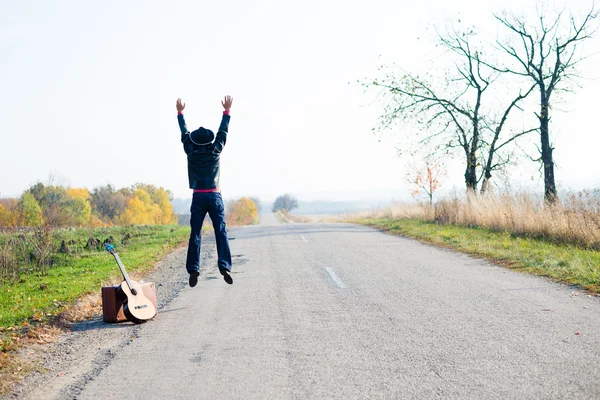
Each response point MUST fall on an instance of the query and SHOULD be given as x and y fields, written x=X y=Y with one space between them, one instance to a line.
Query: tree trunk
x=550 y=194
x=471 y=173
x=487 y=172
x=486 y=183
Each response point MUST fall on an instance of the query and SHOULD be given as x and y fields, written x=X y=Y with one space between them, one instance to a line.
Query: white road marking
x=335 y=278
x=305 y=239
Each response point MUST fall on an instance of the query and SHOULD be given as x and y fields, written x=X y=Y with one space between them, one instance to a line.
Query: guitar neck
x=123 y=271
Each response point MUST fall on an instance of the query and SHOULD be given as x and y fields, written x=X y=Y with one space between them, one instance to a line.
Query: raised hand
x=227 y=101
x=180 y=106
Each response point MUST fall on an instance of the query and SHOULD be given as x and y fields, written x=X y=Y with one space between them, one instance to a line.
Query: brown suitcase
x=113 y=299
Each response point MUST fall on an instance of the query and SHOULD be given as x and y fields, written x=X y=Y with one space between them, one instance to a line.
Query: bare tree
x=495 y=158
x=547 y=53
x=452 y=115
x=447 y=114
x=287 y=202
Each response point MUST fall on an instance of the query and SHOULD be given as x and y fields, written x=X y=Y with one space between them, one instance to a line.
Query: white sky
x=88 y=93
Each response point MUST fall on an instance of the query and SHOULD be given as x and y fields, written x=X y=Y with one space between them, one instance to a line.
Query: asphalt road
x=347 y=312
x=268 y=218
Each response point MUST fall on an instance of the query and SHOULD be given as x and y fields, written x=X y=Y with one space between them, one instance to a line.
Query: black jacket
x=203 y=160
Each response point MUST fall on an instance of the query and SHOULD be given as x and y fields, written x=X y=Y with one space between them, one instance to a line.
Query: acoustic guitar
x=137 y=307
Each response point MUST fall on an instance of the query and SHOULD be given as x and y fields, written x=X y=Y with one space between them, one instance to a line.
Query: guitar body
x=138 y=308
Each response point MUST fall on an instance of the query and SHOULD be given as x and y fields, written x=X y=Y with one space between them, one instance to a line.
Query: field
x=46 y=270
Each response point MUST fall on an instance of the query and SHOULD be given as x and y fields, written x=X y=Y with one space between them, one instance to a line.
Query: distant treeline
x=238 y=211
x=58 y=206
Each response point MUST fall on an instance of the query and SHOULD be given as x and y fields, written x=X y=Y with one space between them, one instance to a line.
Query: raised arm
x=224 y=127
x=185 y=134
x=180 y=107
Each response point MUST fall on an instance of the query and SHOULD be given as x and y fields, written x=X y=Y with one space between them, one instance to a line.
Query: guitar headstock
x=110 y=248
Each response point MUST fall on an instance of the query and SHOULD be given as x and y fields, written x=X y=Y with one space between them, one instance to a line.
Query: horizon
x=100 y=107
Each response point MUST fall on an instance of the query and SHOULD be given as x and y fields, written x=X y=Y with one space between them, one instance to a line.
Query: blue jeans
x=211 y=203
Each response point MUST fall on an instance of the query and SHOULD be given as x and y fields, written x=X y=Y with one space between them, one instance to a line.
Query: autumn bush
x=242 y=211
x=10 y=212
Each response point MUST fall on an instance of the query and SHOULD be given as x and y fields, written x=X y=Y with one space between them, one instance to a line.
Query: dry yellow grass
x=87 y=307
x=397 y=211
x=289 y=217
x=575 y=219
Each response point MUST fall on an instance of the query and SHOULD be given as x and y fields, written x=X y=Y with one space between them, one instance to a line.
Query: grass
x=37 y=297
x=30 y=306
x=565 y=263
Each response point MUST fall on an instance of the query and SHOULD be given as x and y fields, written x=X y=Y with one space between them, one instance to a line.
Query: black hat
x=202 y=136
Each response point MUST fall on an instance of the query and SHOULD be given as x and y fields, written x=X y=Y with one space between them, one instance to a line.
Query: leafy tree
x=10 y=214
x=148 y=188
x=136 y=213
x=140 y=204
x=286 y=202
x=78 y=211
x=143 y=196
x=77 y=206
x=82 y=193
x=157 y=214
x=107 y=203
x=51 y=199
x=62 y=207
x=141 y=208
x=5 y=219
x=163 y=198
x=165 y=213
x=32 y=212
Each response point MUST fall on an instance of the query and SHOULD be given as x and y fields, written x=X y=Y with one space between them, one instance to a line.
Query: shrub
x=286 y=202
x=242 y=211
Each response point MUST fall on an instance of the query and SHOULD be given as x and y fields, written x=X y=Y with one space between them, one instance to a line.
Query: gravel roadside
x=79 y=355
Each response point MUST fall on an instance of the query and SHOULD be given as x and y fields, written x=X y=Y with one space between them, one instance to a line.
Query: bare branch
x=516 y=136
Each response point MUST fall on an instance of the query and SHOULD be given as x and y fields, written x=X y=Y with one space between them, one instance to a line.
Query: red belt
x=205 y=190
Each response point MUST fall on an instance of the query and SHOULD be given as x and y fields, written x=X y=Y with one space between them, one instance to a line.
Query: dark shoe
x=226 y=276
x=194 y=278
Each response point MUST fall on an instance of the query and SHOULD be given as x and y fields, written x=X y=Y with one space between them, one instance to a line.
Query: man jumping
x=203 y=154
